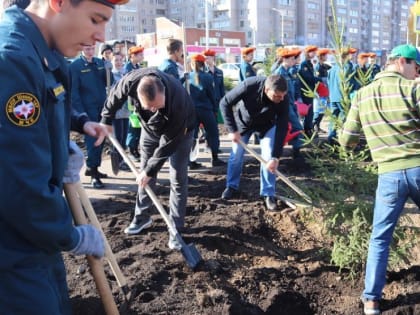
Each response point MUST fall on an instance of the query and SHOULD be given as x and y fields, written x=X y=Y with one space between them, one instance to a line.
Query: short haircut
x=23 y=4
x=149 y=86
x=276 y=83
x=173 y=45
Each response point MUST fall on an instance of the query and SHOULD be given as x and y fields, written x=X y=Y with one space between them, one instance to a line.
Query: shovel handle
x=87 y=205
x=149 y=191
x=96 y=266
x=278 y=173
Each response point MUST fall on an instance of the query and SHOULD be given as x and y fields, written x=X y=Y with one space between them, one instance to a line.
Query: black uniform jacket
x=255 y=112
x=167 y=125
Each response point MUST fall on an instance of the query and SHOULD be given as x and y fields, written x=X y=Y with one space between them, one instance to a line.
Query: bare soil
x=254 y=261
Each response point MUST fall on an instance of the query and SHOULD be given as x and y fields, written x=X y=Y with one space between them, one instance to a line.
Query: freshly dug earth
x=254 y=261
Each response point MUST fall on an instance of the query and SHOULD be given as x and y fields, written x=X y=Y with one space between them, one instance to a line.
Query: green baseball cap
x=406 y=51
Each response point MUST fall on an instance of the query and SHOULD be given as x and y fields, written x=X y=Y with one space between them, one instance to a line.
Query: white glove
x=90 y=242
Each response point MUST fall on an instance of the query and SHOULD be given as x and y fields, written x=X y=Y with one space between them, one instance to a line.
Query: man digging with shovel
x=168 y=120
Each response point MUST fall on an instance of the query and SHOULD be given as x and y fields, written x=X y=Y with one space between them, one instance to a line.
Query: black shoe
x=94 y=173
x=217 y=162
x=195 y=165
x=97 y=183
x=229 y=193
x=270 y=203
x=135 y=155
x=124 y=167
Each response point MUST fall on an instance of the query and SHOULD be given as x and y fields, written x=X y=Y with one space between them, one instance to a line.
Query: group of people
x=43 y=99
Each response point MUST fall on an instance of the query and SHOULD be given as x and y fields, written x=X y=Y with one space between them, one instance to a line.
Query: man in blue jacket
x=260 y=105
x=88 y=94
x=35 y=119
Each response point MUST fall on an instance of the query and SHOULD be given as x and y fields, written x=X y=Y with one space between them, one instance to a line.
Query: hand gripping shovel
x=278 y=173
x=190 y=253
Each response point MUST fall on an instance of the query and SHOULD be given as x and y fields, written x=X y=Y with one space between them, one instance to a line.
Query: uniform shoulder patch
x=23 y=109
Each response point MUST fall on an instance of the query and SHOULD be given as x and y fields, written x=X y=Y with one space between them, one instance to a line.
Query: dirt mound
x=255 y=261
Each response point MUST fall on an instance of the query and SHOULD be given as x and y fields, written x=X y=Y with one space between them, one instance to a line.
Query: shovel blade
x=191 y=255
x=190 y=252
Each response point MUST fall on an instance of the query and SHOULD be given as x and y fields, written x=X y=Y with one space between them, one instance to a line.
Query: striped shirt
x=388 y=113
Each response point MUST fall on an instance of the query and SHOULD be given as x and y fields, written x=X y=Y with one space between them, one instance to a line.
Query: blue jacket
x=35 y=221
x=219 y=85
x=169 y=66
x=88 y=90
x=202 y=93
x=246 y=71
x=307 y=72
x=255 y=112
x=334 y=81
x=129 y=66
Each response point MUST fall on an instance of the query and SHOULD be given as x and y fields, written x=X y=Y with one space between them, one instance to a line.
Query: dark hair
x=22 y=4
x=149 y=86
x=106 y=47
x=173 y=45
x=276 y=83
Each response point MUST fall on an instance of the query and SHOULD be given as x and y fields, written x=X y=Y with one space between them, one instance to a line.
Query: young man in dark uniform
x=88 y=94
x=167 y=117
x=35 y=120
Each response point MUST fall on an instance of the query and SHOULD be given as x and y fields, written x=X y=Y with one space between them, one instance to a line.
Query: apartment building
x=368 y=24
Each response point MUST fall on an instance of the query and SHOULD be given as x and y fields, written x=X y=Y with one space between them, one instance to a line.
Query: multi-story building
x=368 y=24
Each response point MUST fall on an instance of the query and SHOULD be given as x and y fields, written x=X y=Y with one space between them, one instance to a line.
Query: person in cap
x=201 y=87
x=89 y=84
x=175 y=49
x=135 y=58
x=36 y=118
x=307 y=74
x=167 y=117
x=106 y=51
x=258 y=104
x=372 y=64
x=321 y=102
x=387 y=112
x=288 y=60
x=216 y=73
x=245 y=68
x=361 y=69
x=340 y=70
x=218 y=79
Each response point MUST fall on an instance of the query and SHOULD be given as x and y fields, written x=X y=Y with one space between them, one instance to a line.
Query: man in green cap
x=35 y=120
x=387 y=111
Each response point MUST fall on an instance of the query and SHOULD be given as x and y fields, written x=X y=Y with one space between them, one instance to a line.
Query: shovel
x=190 y=253
x=278 y=173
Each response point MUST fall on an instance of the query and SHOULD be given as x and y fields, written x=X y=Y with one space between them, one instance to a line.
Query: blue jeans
x=133 y=138
x=337 y=112
x=391 y=194
x=234 y=168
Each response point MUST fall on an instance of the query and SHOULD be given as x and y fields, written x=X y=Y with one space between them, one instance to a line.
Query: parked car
x=230 y=70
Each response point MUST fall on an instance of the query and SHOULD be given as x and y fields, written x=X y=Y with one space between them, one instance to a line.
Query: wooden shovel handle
x=96 y=266
x=278 y=173
x=87 y=205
